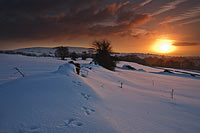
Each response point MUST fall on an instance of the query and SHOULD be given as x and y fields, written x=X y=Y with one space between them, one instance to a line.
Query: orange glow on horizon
x=163 y=46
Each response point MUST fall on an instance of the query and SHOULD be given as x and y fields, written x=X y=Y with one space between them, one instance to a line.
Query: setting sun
x=163 y=46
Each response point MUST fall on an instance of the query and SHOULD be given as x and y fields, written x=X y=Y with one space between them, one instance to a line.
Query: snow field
x=53 y=98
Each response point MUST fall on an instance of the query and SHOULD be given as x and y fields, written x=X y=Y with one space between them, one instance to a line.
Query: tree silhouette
x=103 y=54
x=61 y=52
x=73 y=56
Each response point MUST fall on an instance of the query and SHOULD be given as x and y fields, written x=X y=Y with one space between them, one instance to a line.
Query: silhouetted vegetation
x=73 y=56
x=103 y=54
x=25 y=53
x=45 y=55
x=61 y=52
x=84 y=56
x=20 y=53
x=192 y=63
x=132 y=58
x=77 y=65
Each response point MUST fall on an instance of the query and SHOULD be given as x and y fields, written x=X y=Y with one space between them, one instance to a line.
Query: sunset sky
x=131 y=25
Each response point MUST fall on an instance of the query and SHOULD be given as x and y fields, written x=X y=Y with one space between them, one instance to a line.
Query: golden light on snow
x=163 y=46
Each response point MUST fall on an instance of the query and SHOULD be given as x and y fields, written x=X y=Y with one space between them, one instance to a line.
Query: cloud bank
x=185 y=43
x=66 y=19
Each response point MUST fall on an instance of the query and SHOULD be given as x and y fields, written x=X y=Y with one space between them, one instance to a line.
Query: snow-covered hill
x=47 y=51
x=53 y=98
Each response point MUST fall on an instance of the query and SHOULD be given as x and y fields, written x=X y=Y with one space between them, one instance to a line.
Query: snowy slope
x=53 y=98
x=144 y=103
x=55 y=101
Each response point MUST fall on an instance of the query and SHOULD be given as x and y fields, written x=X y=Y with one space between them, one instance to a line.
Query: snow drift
x=66 y=69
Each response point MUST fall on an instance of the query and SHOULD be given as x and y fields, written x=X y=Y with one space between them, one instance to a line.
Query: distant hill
x=49 y=51
x=45 y=51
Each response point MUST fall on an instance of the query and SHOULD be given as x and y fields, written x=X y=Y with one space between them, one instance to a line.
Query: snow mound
x=141 y=70
x=66 y=69
x=128 y=67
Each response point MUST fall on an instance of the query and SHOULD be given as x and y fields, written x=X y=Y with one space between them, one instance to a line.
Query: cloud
x=134 y=20
x=168 y=7
x=65 y=19
x=141 y=33
x=191 y=21
x=57 y=20
x=195 y=12
x=185 y=43
x=140 y=5
x=140 y=19
x=145 y=3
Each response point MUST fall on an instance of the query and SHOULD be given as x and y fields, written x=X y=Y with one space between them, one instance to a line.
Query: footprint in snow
x=87 y=111
x=86 y=96
x=102 y=86
x=29 y=129
x=72 y=122
x=78 y=83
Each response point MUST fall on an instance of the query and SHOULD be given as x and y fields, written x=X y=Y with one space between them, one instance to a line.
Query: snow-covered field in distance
x=40 y=51
x=53 y=98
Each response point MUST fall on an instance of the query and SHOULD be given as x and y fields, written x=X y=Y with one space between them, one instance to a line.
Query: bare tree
x=103 y=54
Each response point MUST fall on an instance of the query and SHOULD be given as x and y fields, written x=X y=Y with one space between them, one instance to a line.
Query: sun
x=163 y=46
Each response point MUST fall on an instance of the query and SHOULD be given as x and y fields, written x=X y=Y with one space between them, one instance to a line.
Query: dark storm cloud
x=185 y=44
x=58 y=19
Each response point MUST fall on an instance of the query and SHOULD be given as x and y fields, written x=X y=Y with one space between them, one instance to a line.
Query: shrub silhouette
x=61 y=52
x=73 y=56
x=84 y=55
x=103 y=54
x=77 y=65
